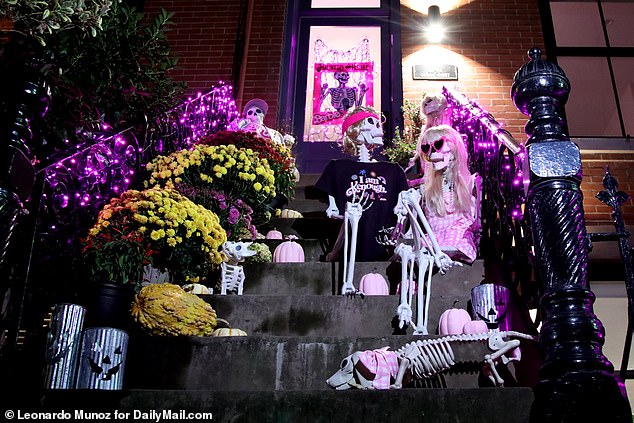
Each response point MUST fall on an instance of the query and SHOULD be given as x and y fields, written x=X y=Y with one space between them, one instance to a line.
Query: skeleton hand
x=333 y=213
x=444 y=263
x=324 y=92
x=386 y=237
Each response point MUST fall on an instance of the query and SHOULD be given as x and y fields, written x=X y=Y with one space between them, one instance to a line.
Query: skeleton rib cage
x=429 y=357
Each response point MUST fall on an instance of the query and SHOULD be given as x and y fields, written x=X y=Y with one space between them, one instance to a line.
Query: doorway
x=335 y=59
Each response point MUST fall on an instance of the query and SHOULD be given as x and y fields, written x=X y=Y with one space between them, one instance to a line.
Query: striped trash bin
x=63 y=344
x=102 y=360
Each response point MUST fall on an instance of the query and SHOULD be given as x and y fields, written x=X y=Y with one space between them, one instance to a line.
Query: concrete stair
x=299 y=331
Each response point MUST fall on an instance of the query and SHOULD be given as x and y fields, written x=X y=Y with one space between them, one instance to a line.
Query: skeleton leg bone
x=425 y=268
x=352 y=216
x=404 y=309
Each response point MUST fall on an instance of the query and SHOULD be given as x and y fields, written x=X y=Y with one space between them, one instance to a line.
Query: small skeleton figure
x=363 y=187
x=342 y=98
x=252 y=120
x=422 y=359
x=232 y=274
x=434 y=109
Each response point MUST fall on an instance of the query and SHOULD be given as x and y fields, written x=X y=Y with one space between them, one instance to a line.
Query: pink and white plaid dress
x=383 y=364
x=454 y=231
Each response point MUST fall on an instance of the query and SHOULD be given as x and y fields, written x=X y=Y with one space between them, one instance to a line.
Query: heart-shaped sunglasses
x=437 y=145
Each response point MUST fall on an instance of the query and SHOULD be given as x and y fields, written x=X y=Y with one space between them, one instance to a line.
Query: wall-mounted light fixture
x=434 y=28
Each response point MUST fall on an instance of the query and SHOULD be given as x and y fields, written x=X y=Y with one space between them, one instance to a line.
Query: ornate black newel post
x=576 y=381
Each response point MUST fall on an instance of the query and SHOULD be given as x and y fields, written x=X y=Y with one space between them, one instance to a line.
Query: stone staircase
x=299 y=331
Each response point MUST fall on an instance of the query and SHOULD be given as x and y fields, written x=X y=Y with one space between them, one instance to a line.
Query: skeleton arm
x=362 y=90
x=323 y=94
x=412 y=200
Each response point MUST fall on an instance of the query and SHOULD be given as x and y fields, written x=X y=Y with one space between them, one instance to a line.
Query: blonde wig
x=351 y=131
x=459 y=175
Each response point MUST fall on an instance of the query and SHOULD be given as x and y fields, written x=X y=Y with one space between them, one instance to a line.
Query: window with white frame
x=593 y=42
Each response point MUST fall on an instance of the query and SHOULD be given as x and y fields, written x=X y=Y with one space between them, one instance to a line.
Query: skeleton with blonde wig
x=450 y=191
x=442 y=215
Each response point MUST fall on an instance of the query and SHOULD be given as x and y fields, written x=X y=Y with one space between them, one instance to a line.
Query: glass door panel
x=343 y=72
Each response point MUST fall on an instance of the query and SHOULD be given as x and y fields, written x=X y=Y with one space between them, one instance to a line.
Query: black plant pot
x=109 y=306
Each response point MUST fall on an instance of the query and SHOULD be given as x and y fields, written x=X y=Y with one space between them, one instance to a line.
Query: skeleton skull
x=237 y=251
x=255 y=110
x=255 y=115
x=347 y=377
x=371 y=133
x=342 y=77
x=439 y=152
x=434 y=104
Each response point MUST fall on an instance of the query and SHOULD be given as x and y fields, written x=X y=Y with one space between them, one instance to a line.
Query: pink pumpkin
x=288 y=252
x=274 y=234
x=452 y=321
x=415 y=286
x=475 y=326
x=373 y=284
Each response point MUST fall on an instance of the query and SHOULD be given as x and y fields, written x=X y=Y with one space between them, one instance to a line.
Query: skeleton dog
x=422 y=359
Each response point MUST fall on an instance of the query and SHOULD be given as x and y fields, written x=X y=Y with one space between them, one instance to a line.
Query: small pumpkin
x=274 y=234
x=228 y=332
x=475 y=326
x=452 y=321
x=373 y=284
x=290 y=214
x=289 y=251
x=198 y=289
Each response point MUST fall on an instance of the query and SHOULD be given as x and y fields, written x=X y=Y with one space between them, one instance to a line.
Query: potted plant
x=155 y=226
x=238 y=173
x=279 y=156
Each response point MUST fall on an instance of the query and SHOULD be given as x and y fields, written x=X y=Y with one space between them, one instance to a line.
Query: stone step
x=319 y=315
x=323 y=278
x=225 y=406
x=267 y=363
x=313 y=225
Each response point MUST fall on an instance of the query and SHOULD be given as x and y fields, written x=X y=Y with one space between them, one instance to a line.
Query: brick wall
x=621 y=165
x=487 y=39
x=204 y=39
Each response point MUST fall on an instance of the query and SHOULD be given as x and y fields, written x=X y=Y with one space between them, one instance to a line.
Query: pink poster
x=340 y=87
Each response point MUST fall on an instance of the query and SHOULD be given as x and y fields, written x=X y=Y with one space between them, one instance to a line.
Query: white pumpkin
x=475 y=326
x=228 y=332
x=274 y=234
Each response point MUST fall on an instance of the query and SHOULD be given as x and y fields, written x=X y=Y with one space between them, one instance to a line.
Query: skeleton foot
x=420 y=330
x=404 y=312
x=351 y=291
